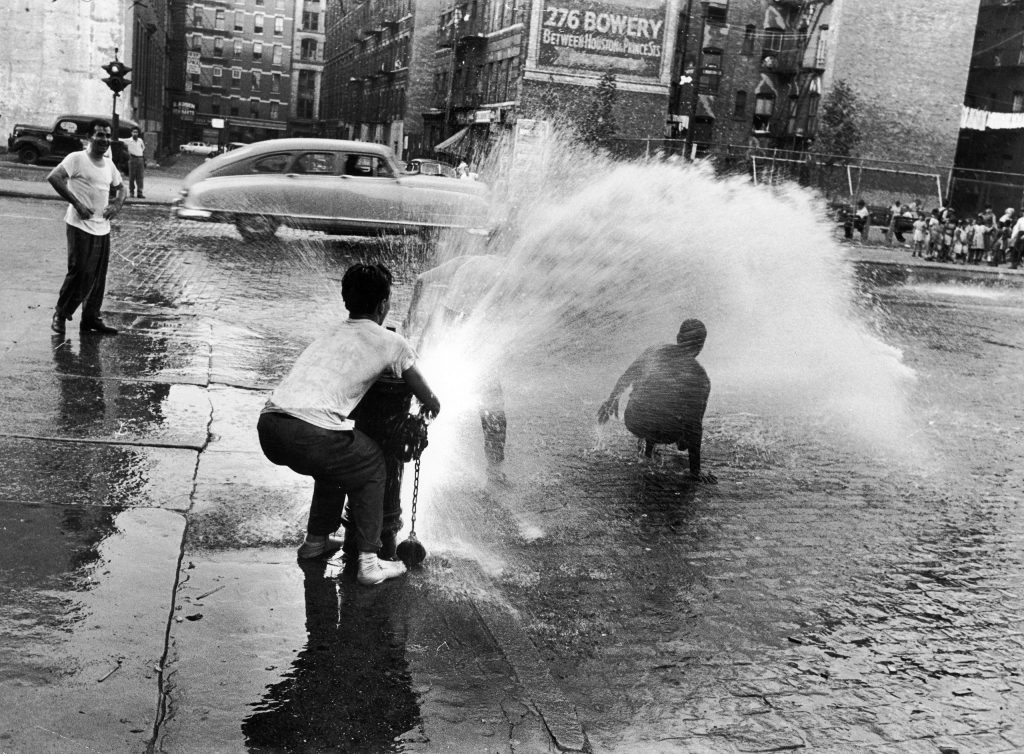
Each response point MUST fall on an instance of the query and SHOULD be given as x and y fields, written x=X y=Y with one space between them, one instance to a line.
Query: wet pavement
x=824 y=596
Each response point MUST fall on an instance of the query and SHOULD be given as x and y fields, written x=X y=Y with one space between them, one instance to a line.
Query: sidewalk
x=29 y=181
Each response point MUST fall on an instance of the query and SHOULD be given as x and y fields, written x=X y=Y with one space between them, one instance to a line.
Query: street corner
x=76 y=571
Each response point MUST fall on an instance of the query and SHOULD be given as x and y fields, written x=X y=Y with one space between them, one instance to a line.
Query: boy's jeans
x=341 y=463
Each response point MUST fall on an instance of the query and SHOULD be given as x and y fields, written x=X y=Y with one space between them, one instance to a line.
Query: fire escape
x=793 y=57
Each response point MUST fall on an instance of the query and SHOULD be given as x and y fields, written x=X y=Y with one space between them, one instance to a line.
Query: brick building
x=307 y=68
x=990 y=158
x=378 y=69
x=231 y=70
x=755 y=73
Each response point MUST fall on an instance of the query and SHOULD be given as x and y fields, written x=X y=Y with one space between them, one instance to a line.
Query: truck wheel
x=28 y=155
x=256 y=228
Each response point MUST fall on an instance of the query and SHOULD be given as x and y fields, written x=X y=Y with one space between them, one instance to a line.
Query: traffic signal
x=116 y=72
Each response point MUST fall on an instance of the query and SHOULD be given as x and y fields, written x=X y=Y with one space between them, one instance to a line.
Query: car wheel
x=28 y=155
x=256 y=228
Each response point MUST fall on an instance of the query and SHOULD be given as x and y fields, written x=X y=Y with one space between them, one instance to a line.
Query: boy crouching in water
x=306 y=426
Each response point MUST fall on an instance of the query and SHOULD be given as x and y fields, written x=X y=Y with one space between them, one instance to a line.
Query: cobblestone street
x=827 y=595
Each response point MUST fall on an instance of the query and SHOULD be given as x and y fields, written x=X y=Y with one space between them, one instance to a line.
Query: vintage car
x=69 y=133
x=199 y=147
x=424 y=166
x=338 y=187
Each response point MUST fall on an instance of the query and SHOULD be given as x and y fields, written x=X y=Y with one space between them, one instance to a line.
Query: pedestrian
x=669 y=397
x=136 y=164
x=977 y=240
x=893 y=230
x=1004 y=227
x=85 y=180
x=862 y=220
x=1017 y=242
x=934 y=235
x=305 y=424
x=920 y=235
x=960 y=242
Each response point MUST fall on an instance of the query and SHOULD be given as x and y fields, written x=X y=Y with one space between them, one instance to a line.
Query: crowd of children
x=945 y=236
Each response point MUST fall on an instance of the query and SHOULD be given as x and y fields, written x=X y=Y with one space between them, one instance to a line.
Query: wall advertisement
x=620 y=38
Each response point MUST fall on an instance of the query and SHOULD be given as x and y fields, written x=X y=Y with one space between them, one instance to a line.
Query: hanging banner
x=603 y=36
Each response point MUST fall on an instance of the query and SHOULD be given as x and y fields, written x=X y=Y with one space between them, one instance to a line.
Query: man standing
x=85 y=179
x=136 y=163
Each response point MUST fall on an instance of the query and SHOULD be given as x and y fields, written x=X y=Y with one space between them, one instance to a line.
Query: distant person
x=977 y=237
x=960 y=242
x=85 y=180
x=862 y=220
x=895 y=211
x=920 y=235
x=669 y=397
x=1016 y=242
x=305 y=424
x=1004 y=228
x=136 y=163
x=934 y=235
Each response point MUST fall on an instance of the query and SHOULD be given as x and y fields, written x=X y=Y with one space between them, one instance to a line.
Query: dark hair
x=692 y=334
x=364 y=286
x=99 y=123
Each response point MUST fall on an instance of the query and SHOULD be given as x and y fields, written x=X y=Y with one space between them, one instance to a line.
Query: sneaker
x=309 y=550
x=57 y=323
x=373 y=570
x=97 y=325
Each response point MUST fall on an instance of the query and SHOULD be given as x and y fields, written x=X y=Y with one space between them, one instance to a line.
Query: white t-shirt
x=335 y=371
x=136 y=147
x=91 y=185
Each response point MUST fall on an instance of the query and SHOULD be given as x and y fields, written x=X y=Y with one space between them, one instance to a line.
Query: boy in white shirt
x=305 y=424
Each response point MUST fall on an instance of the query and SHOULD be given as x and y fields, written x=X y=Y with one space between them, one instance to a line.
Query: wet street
x=828 y=594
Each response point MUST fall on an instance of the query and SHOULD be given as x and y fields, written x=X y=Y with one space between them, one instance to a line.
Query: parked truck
x=69 y=133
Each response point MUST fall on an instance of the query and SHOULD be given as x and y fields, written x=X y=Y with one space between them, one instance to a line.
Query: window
x=278 y=25
x=257 y=50
x=367 y=166
x=259 y=2
x=218 y=21
x=710 y=72
x=239 y=20
x=812 y=114
x=739 y=108
x=256 y=80
x=275 y=83
x=236 y=77
x=749 y=35
x=275 y=163
x=310 y=21
x=254 y=108
x=257 y=23
x=316 y=163
x=273 y=110
x=197 y=17
x=1018 y=102
x=215 y=108
x=717 y=10
x=308 y=50
x=238 y=48
x=197 y=42
x=764 y=107
x=233 y=110
x=218 y=46
x=217 y=71
x=277 y=54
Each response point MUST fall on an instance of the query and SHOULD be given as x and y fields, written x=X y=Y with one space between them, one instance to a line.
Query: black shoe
x=97 y=325
x=142 y=196
x=57 y=323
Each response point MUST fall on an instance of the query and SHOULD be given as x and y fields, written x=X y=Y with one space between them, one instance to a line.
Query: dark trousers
x=86 y=279
x=341 y=463
x=136 y=173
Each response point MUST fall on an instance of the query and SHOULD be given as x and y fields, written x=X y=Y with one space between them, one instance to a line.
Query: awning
x=454 y=144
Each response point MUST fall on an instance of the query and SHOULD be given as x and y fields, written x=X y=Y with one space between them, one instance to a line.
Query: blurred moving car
x=334 y=186
x=424 y=166
x=199 y=147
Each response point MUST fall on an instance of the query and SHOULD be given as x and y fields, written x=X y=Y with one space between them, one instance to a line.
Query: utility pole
x=689 y=147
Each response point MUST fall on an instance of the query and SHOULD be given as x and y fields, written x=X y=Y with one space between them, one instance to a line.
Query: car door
x=367 y=192
x=308 y=187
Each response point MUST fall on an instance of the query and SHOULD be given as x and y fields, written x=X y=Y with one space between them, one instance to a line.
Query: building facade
x=377 y=71
x=231 y=75
x=990 y=153
x=52 y=59
x=307 y=68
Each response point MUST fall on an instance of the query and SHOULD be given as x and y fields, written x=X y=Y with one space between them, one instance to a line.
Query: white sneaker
x=373 y=570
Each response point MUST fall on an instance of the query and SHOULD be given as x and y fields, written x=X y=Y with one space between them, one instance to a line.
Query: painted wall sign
x=603 y=36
